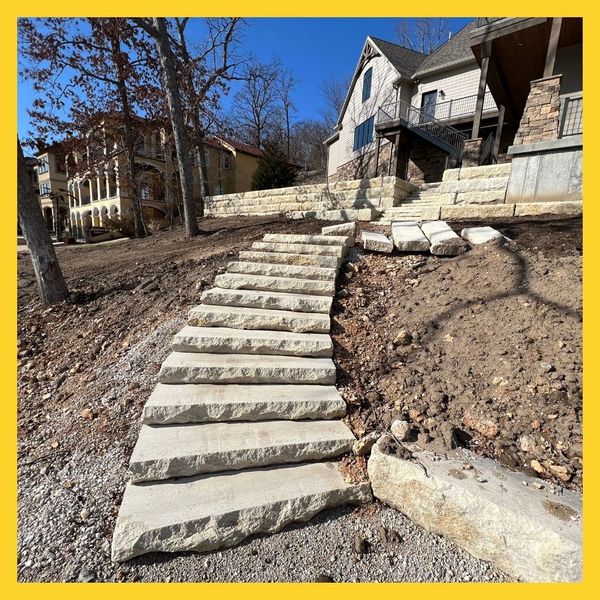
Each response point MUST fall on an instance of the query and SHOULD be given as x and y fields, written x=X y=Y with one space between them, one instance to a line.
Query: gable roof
x=404 y=60
x=456 y=51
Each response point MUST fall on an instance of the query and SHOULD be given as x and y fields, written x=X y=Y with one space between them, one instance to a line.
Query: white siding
x=357 y=111
x=333 y=160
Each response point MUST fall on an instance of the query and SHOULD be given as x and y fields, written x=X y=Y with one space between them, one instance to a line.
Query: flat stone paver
x=378 y=242
x=308 y=260
x=281 y=270
x=320 y=249
x=408 y=237
x=238 y=281
x=341 y=229
x=195 y=448
x=209 y=402
x=328 y=240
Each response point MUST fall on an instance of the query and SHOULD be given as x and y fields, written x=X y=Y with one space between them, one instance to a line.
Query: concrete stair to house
x=411 y=207
x=240 y=433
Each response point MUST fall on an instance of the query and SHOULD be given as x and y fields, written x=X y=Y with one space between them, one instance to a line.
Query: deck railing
x=461 y=107
x=571 y=115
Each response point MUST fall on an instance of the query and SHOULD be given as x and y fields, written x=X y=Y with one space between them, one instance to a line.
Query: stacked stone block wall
x=540 y=120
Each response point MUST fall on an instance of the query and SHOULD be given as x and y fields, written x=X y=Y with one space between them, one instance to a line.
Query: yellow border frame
x=309 y=8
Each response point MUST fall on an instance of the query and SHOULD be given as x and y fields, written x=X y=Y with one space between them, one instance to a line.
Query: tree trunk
x=139 y=226
x=48 y=274
x=184 y=158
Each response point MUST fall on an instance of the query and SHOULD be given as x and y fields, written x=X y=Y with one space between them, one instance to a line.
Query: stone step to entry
x=327 y=240
x=281 y=270
x=211 y=511
x=308 y=260
x=206 y=315
x=237 y=341
x=238 y=281
x=163 y=452
x=268 y=300
x=191 y=367
x=207 y=402
x=319 y=249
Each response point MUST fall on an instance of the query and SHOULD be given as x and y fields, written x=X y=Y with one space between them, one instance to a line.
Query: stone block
x=481 y=235
x=282 y=270
x=347 y=229
x=484 y=171
x=460 y=212
x=481 y=197
x=444 y=241
x=237 y=281
x=451 y=175
x=408 y=237
x=539 y=209
x=530 y=534
x=376 y=241
x=430 y=213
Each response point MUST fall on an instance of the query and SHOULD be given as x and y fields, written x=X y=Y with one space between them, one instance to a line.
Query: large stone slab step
x=320 y=249
x=206 y=315
x=239 y=281
x=268 y=300
x=308 y=260
x=207 y=512
x=408 y=237
x=207 y=402
x=281 y=270
x=225 y=340
x=165 y=451
x=294 y=238
x=444 y=241
x=191 y=367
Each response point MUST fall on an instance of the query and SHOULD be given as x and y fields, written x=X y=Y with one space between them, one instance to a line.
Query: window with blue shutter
x=367 y=78
x=363 y=133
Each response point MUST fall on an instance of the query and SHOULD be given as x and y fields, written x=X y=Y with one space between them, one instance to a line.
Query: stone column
x=98 y=187
x=471 y=152
x=107 y=183
x=541 y=117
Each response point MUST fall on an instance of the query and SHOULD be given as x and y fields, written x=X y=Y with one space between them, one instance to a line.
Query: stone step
x=223 y=340
x=444 y=241
x=239 y=281
x=321 y=249
x=207 y=402
x=379 y=242
x=295 y=238
x=165 y=451
x=191 y=367
x=307 y=260
x=281 y=270
x=408 y=237
x=207 y=315
x=207 y=512
x=268 y=300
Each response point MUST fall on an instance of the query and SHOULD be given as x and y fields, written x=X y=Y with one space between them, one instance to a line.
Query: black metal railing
x=571 y=115
x=486 y=154
x=415 y=118
x=461 y=107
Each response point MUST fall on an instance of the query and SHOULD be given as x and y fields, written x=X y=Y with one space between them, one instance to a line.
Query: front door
x=428 y=101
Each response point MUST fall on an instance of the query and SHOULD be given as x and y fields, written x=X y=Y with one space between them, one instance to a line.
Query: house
x=97 y=185
x=51 y=182
x=469 y=102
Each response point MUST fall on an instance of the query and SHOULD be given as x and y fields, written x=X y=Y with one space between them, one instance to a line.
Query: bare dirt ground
x=482 y=350
x=86 y=369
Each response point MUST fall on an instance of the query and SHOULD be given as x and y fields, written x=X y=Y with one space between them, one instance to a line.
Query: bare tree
x=157 y=28
x=284 y=86
x=333 y=92
x=308 y=148
x=424 y=34
x=48 y=274
x=255 y=105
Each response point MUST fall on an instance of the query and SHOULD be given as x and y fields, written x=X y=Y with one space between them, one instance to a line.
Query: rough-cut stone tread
x=338 y=251
x=192 y=367
x=207 y=402
x=207 y=512
x=228 y=340
x=274 y=270
x=308 y=260
x=295 y=238
x=238 y=281
x=206 y=315
x=268 y=300
x=165 y=451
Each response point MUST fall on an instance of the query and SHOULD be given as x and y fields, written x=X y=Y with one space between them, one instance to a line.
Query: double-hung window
x=367 y=79
x=43 y=165
x=363 y=133
x=45 y=189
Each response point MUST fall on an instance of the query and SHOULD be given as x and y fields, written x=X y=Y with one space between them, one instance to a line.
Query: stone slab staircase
x=241 y=433
x=410 y=208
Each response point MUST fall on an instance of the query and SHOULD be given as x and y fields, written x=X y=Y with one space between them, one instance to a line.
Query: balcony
x=461 y=107
x=571 y=115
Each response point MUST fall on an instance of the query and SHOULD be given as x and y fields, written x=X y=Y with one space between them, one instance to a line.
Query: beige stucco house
x=51 y=180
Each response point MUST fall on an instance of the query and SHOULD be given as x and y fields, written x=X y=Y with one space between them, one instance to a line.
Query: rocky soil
x=85 y=370
x=483 y=350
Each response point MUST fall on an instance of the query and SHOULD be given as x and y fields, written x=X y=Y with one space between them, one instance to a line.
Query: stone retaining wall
x=376 y=194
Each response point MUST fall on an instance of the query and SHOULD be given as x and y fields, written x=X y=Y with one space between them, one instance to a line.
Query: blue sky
x=312 y=48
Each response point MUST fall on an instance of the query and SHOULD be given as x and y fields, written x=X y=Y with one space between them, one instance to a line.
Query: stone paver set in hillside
x=245 y=405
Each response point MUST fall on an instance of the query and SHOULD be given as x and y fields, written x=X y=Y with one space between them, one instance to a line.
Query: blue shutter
x=367 y=79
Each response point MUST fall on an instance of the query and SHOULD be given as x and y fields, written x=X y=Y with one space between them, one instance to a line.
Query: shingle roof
x=456 y=50
x=404 y=60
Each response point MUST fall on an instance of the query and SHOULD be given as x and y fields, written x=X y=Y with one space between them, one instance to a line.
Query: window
x=226 y=161
x=363 y=133
x=43 y=165
x=367 y=78
x=45 y=189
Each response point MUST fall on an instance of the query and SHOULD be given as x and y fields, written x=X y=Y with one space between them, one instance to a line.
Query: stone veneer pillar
x=471 y=152
x=540 y=120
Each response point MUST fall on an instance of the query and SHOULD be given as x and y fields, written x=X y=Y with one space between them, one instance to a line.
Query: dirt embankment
x=482 y=350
